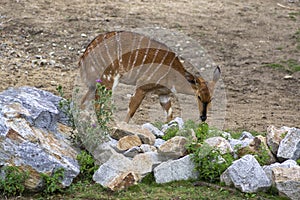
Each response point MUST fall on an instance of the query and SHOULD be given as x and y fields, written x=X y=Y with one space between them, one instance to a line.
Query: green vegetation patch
x=12 y=183
x=290 y=65
x=294 y=15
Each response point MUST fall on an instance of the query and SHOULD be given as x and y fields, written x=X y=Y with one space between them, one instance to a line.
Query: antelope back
x=114 y=53
x=136 y=58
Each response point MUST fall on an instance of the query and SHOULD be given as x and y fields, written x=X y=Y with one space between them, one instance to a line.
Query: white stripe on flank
x=116 y=82
x=108 y=54
x=129 y=65
x=137 y=52
x=153 y=59
x=169 y=69
x=147 y=50
x=104 y=64
x=144 y=58
x=119 y=53
x=158 y=67
x=136 y=55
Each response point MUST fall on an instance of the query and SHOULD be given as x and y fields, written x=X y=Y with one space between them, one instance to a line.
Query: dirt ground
x=41 y=41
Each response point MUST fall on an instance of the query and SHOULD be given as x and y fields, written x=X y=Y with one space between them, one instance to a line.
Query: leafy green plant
x=298 y=161
x=65 y=106
x=13 y=182
x=190 y=124
x=170 y=132
x=53 y=182
x=87 y=165
x=210 y=163
x=282 y=136
x=202 y=132
x=104 y=106
x=149 y=179
x=261 y=154
x=263 y=157
x=158 y=124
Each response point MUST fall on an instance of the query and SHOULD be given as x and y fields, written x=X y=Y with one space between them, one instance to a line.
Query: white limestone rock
x=247 y=175
x=175 y=170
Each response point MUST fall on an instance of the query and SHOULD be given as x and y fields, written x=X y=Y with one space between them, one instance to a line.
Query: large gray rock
x=174 y=170
x=115 y=174
x=287 y=181
x=153 y=129
x=247 y=175
x=177 y=122
x=258 y=146
x=289 y=147
x=123 y=129
x=285 y=164
x=129 y=141
x=32 y=137
x=104 y=151
x=174 y=147
x=219 y=143
x=119 y=172
x=274 y=137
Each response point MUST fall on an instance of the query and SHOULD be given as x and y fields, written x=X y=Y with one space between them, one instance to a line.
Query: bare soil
x=41 y=41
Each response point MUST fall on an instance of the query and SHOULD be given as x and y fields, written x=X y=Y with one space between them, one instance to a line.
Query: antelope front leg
x=165 y=103
x=135 y=102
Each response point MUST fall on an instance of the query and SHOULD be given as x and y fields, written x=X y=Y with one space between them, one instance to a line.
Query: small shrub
x=158 y=124
x=104 y=106
x=13 y=182
x=149 y=179
x=53 y=183
x=87 y=165
x=190 y=124
x=65 y=106
x=210 y=163
x=202 y=132
x=170 y=132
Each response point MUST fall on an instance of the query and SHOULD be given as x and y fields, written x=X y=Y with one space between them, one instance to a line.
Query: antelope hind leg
x=165 y=103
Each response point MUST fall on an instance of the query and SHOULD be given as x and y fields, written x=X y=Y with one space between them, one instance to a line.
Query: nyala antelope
x=148 y=65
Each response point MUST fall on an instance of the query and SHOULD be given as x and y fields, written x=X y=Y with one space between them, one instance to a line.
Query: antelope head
x=203 y=91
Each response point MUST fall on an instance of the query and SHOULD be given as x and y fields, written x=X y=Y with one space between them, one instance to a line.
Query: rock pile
x=168 y=160
x=33 y=136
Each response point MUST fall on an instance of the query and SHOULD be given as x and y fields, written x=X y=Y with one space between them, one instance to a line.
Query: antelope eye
x=199 y=98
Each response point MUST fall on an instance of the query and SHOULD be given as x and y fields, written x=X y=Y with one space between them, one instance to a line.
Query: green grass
x=173 y=190
x=290 y=65
x=294 y=15
x=297 y=36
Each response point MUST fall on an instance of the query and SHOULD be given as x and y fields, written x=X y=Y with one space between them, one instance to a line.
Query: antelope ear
x=217 y=74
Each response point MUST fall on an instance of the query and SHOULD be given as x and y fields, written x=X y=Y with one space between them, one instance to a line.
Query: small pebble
x=287 y=77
